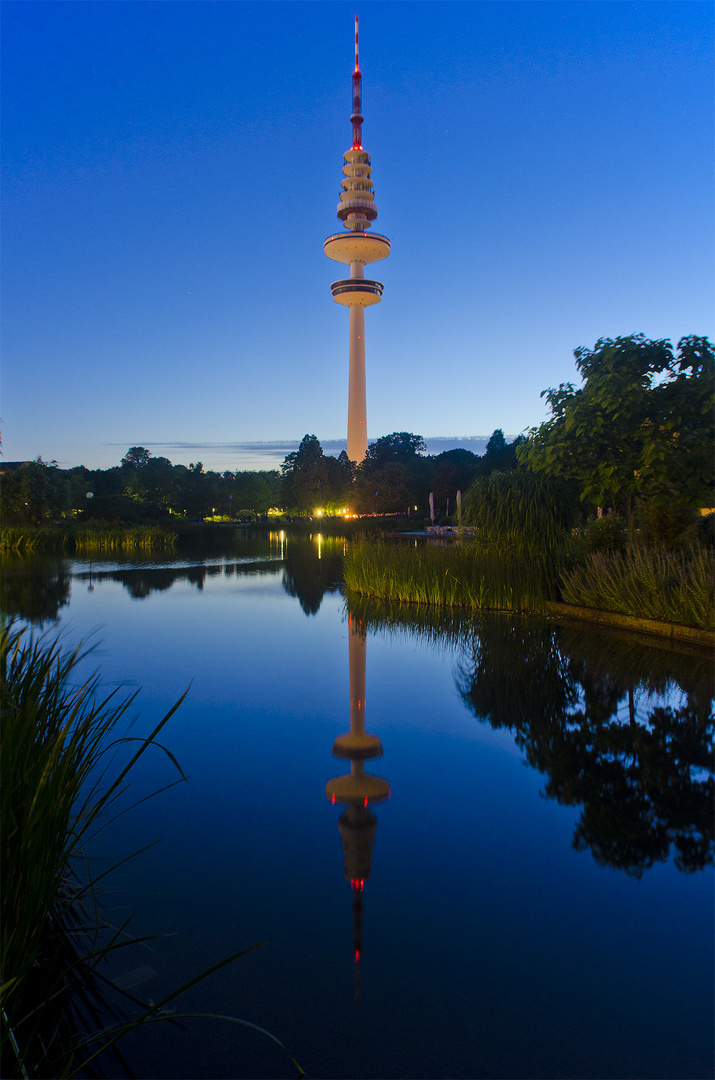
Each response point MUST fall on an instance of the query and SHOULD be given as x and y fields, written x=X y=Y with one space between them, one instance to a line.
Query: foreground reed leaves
x=65 y=765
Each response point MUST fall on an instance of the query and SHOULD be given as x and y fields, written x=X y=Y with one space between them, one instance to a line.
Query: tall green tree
x=394 y=474
x=304 y=476
x=340 y=472
x=136 y=457
x=401 y=447
x=33 y=492
x=499 y=455
x=641 y=424
x=452 y=471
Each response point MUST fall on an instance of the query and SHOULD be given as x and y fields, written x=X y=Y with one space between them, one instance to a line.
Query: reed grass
x=647 y=583
x=459 y=575
x=65 y=765
x=94 y=537
x=57 y=744
x=24 y=539
x=107 y=538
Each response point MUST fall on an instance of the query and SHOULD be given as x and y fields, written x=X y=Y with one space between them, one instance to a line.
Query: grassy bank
x=96 y=537
x=671 y=588
x=454 y=574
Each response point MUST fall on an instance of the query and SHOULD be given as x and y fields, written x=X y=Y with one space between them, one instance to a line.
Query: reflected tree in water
x=37 y=596
x=641 y=773
x=515 y=673
x=307 y=576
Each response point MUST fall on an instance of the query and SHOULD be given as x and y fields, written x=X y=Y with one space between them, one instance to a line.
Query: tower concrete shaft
x=357 y=387
x=357 y=211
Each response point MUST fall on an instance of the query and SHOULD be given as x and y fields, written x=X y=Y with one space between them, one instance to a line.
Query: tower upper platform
x=356 y=247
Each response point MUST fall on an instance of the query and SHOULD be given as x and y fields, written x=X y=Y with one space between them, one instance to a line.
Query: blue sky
x=171 y=169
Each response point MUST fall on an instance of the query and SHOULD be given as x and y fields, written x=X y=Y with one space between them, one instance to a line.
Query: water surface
x=533 y=899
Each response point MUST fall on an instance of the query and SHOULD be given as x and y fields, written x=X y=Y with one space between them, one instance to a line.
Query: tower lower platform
x=360 y=291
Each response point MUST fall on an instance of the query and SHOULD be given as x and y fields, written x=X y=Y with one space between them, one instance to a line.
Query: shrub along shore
x=531 y=549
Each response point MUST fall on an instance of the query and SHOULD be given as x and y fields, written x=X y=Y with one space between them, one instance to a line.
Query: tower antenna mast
x=357 y=117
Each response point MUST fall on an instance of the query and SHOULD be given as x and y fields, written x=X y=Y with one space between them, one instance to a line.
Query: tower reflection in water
x=357 y=790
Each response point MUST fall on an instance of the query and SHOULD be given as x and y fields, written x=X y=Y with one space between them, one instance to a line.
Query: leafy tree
x=396 y=468
x=340 y=473
x=33 y=492
x=136 y=457
x=499 y=455
x=253 y=490
x=110 y=501
x=677 y=460
x=193 y=493
x=149 y=480
x=452 y=471
x=304 y=475
x=401 y=448
x=385 y=489
x=640 y=425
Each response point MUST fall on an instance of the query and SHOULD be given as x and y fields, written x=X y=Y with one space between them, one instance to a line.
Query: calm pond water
x=532 y=882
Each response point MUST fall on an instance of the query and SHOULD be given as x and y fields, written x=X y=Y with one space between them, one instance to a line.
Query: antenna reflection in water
x=357 y=790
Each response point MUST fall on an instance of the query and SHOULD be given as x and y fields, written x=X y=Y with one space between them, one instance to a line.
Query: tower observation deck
x=357 y=248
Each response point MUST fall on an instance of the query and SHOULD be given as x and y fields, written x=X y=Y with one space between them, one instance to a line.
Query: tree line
x=396 y=476
x=141 y=488
x=635 y=438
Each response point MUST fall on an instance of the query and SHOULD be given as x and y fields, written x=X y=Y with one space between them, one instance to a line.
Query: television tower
x=357 y=211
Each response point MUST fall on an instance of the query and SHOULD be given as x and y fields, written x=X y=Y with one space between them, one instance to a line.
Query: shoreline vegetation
x=63 y=538
x=503 y=568
x=659 y=592
x=99 y=536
